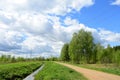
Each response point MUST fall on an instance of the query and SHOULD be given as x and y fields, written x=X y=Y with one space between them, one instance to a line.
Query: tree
x=74 y=51
x=12 y=59
x=94 y=56
x=99 y=50
x=87 y=45
x=81 y=47
x=64 y=53
x=106 y=56
x=116 y=57
x=110 y=53
x=116 y=48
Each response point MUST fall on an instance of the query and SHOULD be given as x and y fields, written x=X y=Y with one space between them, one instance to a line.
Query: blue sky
x=30 y=26
x=100 y=15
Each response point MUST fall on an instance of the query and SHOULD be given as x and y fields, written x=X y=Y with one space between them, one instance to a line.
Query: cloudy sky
x=41 y=27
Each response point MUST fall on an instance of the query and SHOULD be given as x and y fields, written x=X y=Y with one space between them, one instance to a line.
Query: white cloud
x=116 y=2
x=9 y=40
x=110 y=36
x=27 y=26
x=57 y=7
x=44 y=35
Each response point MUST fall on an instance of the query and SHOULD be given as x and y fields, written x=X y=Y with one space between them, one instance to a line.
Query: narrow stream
x=31 y=76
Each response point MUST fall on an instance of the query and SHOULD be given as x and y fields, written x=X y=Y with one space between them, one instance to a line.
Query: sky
x=33 y=28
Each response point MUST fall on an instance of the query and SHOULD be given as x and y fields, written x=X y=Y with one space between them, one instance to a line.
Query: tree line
x=13 y=59
x=83 y=49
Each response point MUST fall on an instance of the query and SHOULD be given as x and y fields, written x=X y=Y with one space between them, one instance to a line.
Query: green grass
x=109 y=68
x=54 y=71
x=17 y=71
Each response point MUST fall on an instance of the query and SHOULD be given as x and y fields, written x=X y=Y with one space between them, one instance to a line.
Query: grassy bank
x=17 y=71
x=109 y=68
x=54 y=71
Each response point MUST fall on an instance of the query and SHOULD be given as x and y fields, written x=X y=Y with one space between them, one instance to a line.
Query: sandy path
x=92 y=74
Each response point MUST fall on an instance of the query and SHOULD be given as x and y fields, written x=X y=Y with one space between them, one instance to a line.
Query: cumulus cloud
x=110 y=36
x=57 y=7
x=10 y=40
x=32 y=27
x=31 y=35
x=116 y=2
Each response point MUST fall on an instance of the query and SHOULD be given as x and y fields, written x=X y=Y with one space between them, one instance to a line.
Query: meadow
x=54 y=71
x=17 y=71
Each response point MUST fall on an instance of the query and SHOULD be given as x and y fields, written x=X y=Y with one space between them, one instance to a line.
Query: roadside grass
x=105 y=68
x=17 y=71
x=108 y=68
x=54 y=71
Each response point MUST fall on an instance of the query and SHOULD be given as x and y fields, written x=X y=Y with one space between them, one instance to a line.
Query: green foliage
x=81 y=47
x=107 y=55
x=116 y=58
x=99 y=52
x=110 y=68
x=74 y=51
x=116 y=48
x=12 y=59
x=54 y=71
x=64 y=53
x=7 y=58
x=17 y=71
x=52 y=59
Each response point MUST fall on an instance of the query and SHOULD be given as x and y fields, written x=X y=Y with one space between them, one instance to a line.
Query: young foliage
x=64 y=53
x=81 y=47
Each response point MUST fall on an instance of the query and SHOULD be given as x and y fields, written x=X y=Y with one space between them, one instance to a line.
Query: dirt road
x=92 y=74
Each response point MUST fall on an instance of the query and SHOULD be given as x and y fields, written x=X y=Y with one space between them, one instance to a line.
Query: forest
x=83 y=49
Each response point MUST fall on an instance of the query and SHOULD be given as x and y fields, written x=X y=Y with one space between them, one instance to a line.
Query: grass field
x=109 y=68
x=17 y=71
x=54 y=71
